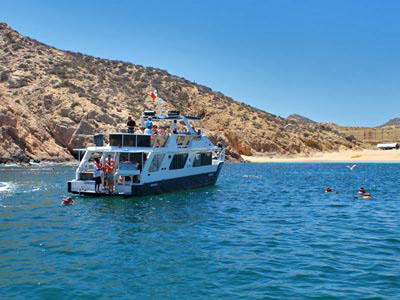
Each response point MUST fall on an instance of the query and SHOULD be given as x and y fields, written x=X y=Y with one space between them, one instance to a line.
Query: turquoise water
x=265 y=231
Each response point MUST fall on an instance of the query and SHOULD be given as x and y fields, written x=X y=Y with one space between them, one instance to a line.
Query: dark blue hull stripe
x=177 y=184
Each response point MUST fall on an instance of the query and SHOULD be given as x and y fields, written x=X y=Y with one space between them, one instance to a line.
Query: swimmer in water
x=328 y=190
x=67 y=201
x=361 y=190
x=367 y=196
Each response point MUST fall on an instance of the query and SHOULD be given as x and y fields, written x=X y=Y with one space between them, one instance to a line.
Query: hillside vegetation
x=52 y=101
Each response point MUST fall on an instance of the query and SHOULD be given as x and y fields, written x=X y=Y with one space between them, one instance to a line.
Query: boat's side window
x=178 y=161
x=202 y=159
x=144 y=141
x=89 y=164
x=116 y=140
x=156 y=162
x=130 y=140
x=124 y=163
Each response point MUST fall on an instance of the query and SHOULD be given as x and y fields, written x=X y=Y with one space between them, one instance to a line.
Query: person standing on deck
x=148 y=127
x=174 y=127
x=96 y=175
x=109 y=173
x=149 y=123
x=131 y=125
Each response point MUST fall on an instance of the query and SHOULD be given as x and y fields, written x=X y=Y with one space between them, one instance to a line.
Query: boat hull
x=177 y=184
x=162 y=186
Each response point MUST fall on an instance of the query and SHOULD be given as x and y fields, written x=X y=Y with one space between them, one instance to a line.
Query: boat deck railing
x=151 y=141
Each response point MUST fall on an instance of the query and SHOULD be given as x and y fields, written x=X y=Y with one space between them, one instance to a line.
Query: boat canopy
x=171 y=118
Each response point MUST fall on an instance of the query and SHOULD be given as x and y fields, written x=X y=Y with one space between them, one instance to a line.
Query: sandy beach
x=340 y=156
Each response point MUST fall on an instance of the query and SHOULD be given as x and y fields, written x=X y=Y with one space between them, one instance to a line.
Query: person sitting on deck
x=154 y=129
x=131 y=125
x=148 y=131
x=109 y=173
x=96 y=175
x=161 y=130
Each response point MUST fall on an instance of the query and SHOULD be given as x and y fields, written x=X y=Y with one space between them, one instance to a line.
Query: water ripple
x=264 y=232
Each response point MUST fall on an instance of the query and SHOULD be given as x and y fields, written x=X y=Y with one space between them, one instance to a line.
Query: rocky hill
x=52 y=101
x=301 y=119
x=392 y=122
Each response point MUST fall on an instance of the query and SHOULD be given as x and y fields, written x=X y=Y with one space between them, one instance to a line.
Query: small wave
x=6 y=186
x=10 y=165
x=36 y=166
x=251 y=176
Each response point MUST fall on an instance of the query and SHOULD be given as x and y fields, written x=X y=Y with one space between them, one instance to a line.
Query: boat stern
x=81 y=187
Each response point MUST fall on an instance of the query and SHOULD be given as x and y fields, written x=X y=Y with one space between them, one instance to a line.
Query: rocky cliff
x=52 y=101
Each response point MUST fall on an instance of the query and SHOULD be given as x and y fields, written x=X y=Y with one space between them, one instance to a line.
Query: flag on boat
x=154 y=94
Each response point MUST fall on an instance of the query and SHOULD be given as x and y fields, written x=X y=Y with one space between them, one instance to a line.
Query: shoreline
x=44 y=163
x=345 y=156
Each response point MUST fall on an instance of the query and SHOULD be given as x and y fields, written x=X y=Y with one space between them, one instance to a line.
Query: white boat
x=152 y=164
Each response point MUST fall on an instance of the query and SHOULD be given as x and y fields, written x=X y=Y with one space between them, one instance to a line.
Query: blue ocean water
x=265 y=231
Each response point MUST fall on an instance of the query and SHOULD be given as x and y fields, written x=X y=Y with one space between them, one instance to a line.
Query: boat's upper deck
x=128 y=142
x=173 y=132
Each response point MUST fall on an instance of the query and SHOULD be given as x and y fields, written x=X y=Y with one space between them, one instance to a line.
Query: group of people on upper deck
x=152 y=129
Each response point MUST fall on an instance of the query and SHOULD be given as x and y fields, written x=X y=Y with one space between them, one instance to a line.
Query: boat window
x=88 y=165
x=183 y=140
x=123 y=157
x=202 y=159
x=124 y=162
x=180 y=139
x=196 y=137
x=116 y=140
x=134 y=161
x=160 y=140
x=94 y=155
x=130 y=140
x=178 y=161
x=156 y=162
x=144 y=140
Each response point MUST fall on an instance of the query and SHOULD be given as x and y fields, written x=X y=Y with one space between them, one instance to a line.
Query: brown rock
x=64 y=97
x=84 y=128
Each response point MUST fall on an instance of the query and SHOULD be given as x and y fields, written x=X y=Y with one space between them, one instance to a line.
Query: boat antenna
x=159 y=101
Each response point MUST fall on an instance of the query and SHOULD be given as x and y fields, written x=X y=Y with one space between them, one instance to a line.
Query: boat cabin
x=142 y=159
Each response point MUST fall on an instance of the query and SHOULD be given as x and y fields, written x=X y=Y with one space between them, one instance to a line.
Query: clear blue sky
x=336 y=61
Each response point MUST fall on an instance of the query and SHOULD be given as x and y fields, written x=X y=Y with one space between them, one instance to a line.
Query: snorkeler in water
x=67 y=201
